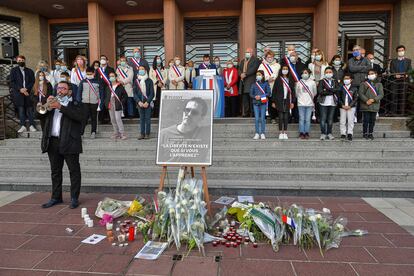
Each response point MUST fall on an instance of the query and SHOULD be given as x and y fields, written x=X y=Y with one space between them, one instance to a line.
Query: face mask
x=356 y=53
x=141 y=72
x=137 y=55
x=372 y=77
x=270 y=60
x=329 y=75
x=43 y=69
x=123 y=63
x=292 y=59
x=337 y=62
x=217 y=63
x=96 y=67
x=230 y=66
x=177 y=62
x=312 y=57
x=112 y=79
x=103 y=61
x=158 y=61
x=347 y=82
x=63 y=67
x=89 y=77
x=248 y=55
x=290 y=52
x=57 y=66
x=285 y=72
x=318 y=58
x=401 y=53
x=64 y=100
x=22 y=64
x=41 y=78
x=305 y=76
x=259 y=78
x=62 y=79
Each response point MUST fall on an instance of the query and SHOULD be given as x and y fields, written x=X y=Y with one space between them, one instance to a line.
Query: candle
x=131 y=235
x=227 y=244
x=111 y=239
x=223 y=242
x=235 y=245
x=255 y=245
x=84 y=211
x=214 y=243
x=90 y=223
x=109 y=226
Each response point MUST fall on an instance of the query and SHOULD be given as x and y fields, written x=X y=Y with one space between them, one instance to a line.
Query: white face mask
x=372 y=77
x=171 y=64
x=259 y=78
x=305 y=76
x=229 y=65
x=270 y=59
x=248 y=55
x=103 y=61
x=292 y=59
x=177 y=62
x=62 y=79
x=401 y=53
x=285 y=72
x=217 y=63
x=89 y=77
x=337 y=62
x=41 y=78
x=329 y=75
x=318 y=58
x=372 y=61
x=290 y=52
x=347 y=82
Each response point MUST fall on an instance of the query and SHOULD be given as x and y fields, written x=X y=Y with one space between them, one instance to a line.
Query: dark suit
x=142 y=62
x=399 y=87
x=145 y=113
x=247 y=82
x=66 y=147
x=104 y=114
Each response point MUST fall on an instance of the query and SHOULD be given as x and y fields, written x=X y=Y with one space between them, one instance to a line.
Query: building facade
x=192 y=28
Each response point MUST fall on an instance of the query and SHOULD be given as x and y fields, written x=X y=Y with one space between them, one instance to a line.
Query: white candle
x=84 y=211
x=90 y=223
x=109 y=226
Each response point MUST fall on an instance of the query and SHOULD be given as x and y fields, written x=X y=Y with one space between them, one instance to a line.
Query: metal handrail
x=10 y=123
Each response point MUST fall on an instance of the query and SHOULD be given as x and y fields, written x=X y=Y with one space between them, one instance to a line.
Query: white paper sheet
x=94 y=239
x=242 y=199
x=151 y=250
x=225 y=200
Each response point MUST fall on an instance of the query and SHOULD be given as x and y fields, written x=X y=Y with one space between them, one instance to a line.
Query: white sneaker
x=323 y=137
x=93 y=135
x=285 y=136
x=32 y=129
x=330 y=136
x=256 y=136
x=262 y=136
x=281 y=136
x=22 y=129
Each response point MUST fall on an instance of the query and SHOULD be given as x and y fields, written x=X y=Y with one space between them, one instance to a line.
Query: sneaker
x=22 y=129
x=285 y=136
x=32 y=129
x=281 y=136
x=256 y=136
x=123 y=137
x=141 y=137
x=307 y=136
x=323 y=137
x=301 y=135
x=365 y=136
x=343 y=137
x=370 y=137
x=146 y=137
x=262 y=136
x=330 y=136
x=115 y=136
x=349 y=137
x=93 y=135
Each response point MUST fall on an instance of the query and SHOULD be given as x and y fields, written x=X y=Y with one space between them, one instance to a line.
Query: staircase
x=383 y=167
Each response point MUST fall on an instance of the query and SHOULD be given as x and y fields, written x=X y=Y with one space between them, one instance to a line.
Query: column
x=325 y=33
x=401 y=29
x=101 y=33
x=173 y=31
x=247 y=26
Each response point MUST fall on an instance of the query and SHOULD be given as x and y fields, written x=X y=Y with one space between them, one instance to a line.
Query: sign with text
x=208 y=72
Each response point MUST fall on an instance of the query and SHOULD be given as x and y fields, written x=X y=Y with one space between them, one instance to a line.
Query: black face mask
x=22 y=64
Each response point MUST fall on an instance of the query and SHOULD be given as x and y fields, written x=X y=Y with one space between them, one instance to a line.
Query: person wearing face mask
x=219 y=69
x=295 y=65
x=399 y=69
x=206 y=64
x=337 y=68
x=271 y=69
x=56 y=72
x=328 y=100
x=290 y=49
x=115 y=97
x=41 y=90
x=312 y=57
x=78 y=72
x=283 y=94
x=260 y=93
x=247 y=72
x=358 y=66
x=43 y=66
x=62 y=141
x=190 y=74
x=347 y=100
x=370 y=94
x=374 y=65
x=137 y=60
x=176 y=74
x=125 y=77
x=231 y=91
x=104 y=69
x=167 y=70
x=305 y=91
x=22 y=80
x=158 y=75
x=90 y=93
x=144 y=96
x=96 y=64
x=318 y=66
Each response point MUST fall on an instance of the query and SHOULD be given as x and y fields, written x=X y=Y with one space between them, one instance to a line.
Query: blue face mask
x=141 y=72
x=137 y=55
x=43 y=69
x=57 y=67
x=63 y=68
x=356 y=53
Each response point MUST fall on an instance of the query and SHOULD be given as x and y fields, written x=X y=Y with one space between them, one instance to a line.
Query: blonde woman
x=79 y=70
x=318 y=66
x=176 y=74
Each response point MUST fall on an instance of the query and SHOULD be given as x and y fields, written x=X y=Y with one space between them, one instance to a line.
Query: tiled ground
x=33 y=242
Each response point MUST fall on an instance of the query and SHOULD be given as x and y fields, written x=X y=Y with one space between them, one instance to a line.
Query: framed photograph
x=185 y=134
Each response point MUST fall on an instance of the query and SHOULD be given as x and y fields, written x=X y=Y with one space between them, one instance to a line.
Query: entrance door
x=365 y=42
x=71 y=53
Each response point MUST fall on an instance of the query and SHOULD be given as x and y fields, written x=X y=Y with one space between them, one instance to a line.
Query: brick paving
x=33 y=241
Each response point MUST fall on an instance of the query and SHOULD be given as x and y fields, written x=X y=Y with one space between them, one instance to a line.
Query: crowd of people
x=286 y=88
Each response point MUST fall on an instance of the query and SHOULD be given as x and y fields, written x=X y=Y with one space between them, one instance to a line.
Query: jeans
x=305 y=113
x=145 y=120
x=260 y=118
x=327 y=115
x=368 y=123
x=131 y=109
x=283 y=120
x=26 y=112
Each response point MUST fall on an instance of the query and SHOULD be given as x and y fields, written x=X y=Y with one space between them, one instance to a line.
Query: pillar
x=325 y=33
x=101 y=26
x=247 y=26
x=173 y=31
x=401 y=29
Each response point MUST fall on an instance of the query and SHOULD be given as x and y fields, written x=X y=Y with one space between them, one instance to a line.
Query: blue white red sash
x=348 y=93
x=105 y=78
x=95 y=92
x=330 y=87
x=177 y=71
x=122 y=73
x=204 y=65
x=263 y=97
x=136 y=62
x=159 y=75
x=40 y=94
x=79 y=74
x=286 y=84
x=268 y=68
x=306 y=88
x=292 y=70
x=370 y=86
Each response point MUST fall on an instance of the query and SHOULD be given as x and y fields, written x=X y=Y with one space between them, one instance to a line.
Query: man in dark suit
x=247 y=71
x=136 y=61
x=206 y=64
x=62 y=141
x=106 y=70
x=378 y=69
x=21 y=83
x=399 y=69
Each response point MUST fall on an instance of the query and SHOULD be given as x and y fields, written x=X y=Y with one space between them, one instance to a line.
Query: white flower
x=195 y=191
x=326 y=210
x=340 y=227
x=171 y=210
x=140 y=224
x=299 y=215
x=162 y=194
x=184 y=202
x=312 y=218
x=261 y=205
x=295 y=206
x=186 y=187
x=318 y=216
x=178 y=206
x=194 y=207
x=203 y=203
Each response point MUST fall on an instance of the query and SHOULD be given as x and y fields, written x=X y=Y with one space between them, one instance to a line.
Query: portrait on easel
x=185 y=128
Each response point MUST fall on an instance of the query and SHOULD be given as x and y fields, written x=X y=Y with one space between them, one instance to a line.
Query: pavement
x=33 y=241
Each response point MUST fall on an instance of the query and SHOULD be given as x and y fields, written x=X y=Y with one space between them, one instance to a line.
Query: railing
x=2 y=120
x=8 y=120
x=396 y=101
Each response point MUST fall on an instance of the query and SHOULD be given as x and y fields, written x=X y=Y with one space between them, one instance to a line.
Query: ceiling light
x=58 y=6
x=208 y=1
x=131 y=3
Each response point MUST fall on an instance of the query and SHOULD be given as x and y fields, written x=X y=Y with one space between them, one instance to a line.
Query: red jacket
x=232 y=81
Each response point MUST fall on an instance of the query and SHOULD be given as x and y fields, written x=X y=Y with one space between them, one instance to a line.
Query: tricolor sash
x=307 y=89
x=96 y=93
x=204 y=65
x=372 y=88
x=348 y=93
x=79 y=74
x=263 y=97
x=292 y=70
x=268 y=68
x=159 y=75
x=40 y=94
x=286 y=84
x=122 y=73
x=105 y=78
x=177 y=71
x=145 y=96
x=330 y=87
x=136 y=62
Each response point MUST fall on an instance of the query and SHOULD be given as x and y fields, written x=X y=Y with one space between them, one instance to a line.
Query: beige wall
x=33 y=33
x=325 y=33
x=402 y=27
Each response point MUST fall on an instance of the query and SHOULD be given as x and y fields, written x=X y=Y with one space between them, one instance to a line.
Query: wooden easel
x=203 y=176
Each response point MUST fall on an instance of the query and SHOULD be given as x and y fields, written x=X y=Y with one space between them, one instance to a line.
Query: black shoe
x=147 y=137
x=365 y=136
x=343 y=137
x=141 y=137
x=51 y=203
x=349 y=137
x=74 y=203
x=370 y=137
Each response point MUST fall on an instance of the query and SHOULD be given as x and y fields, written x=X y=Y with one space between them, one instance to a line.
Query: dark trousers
x=145 y=120
x=231 y=107
x=56 y=165
x=246 y=105
x=327 y=113
x=26 y=112
x=157 y=103
x=130 y=107
x=90 y=110
x=399 y=92
x=368 y=123
x=283 y=120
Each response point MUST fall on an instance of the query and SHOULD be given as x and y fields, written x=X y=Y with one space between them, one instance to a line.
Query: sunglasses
x=193 y=111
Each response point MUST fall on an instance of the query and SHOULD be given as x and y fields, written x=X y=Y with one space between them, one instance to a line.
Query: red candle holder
x=131 y=236
x=255 y=245
x=227 y=244
x=223 y=242
x=215 y=243
x=235 y=245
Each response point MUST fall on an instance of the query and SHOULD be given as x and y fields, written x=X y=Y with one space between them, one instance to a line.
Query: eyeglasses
x=193 y=111
x=60 y=88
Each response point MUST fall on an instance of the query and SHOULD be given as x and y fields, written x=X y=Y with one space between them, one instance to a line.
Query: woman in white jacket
x=159 y=76
x=125 y=75
x=318 y=66
x=305 y=93
x=176 y=74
